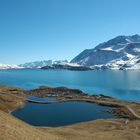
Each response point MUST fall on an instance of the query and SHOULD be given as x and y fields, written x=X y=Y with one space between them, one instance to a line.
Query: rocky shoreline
x=63 y=94
x=13 y=98
x=67 y=67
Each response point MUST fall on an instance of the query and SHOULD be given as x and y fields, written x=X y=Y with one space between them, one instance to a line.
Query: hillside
x=12 y=128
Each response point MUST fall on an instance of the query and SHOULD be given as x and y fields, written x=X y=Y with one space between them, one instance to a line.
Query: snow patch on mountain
x=107 y=49
x=136 y=49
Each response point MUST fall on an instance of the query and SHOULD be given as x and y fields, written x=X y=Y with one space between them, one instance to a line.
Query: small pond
x=59 y=114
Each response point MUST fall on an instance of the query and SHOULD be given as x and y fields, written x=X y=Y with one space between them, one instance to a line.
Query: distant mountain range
x=122 y=52
x=40 y=64
x=6 y=66
x=36 y=64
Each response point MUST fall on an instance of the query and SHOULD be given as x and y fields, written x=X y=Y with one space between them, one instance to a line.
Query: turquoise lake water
x=120 y=84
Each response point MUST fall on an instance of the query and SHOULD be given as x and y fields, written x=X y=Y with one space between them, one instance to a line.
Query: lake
x=120 y=84
x=60 y=114
x=37 y=98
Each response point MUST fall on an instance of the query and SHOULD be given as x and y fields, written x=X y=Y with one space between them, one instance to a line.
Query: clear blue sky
x=60 y=29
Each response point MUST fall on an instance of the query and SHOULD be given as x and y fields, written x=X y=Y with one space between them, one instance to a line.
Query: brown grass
x=12 y=128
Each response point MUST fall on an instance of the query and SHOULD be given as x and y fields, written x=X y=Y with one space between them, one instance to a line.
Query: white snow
x=136 y=49
x=128 y=40
x=107 y=49
x=74 y=64
x=37 y=64
x=129 y=55
x=7 y=66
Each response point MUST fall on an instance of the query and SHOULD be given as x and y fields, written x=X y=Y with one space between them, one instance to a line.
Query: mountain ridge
x=121 y=52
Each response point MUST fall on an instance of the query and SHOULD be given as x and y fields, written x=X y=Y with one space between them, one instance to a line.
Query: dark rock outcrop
x=67 y=67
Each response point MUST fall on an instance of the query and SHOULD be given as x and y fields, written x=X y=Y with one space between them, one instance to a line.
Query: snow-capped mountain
x=36 y=64
x=65 y=62
x=60 y=62
x=65 y=65
x=7 y=66
x=122 y=52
